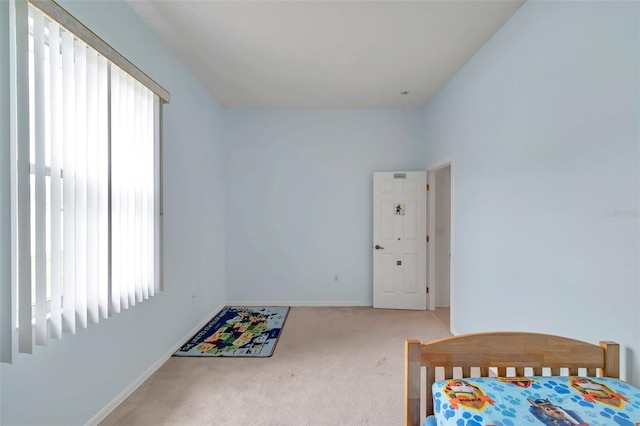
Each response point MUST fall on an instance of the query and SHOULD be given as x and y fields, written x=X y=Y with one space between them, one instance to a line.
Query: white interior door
x=399 y=239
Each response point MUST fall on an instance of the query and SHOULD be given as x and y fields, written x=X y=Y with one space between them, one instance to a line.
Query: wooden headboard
x=505 y=353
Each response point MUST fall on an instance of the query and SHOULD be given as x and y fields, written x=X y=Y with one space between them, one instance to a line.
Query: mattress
x=518 y=401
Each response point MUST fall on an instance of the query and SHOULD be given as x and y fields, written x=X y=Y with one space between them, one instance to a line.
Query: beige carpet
x=332 y=366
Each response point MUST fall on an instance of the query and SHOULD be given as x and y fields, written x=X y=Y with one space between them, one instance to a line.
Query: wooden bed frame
x=505 y=353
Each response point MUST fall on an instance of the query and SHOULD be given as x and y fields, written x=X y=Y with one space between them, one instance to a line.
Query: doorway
x=440 y=225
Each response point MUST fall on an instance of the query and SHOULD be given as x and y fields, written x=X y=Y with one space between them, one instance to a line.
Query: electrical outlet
x=335 y=278
x=193 y=297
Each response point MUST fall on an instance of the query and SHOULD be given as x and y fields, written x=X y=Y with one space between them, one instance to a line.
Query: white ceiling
x=325 y=54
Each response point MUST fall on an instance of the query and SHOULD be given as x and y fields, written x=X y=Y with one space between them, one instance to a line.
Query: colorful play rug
x=238 y=331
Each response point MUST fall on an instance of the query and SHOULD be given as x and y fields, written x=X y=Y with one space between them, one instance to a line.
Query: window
x=85 y=178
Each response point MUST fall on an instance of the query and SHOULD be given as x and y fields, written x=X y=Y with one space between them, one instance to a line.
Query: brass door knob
x=379 y=247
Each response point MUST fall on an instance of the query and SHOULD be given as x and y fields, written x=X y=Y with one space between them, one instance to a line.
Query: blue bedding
x=535 y=401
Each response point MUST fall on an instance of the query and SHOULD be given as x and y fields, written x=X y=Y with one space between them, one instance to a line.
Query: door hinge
x=427 y=238
x=427 y=290
x=427 y=187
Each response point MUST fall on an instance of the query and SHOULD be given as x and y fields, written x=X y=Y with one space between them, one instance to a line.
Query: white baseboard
x=299 y=304
x=102 y=414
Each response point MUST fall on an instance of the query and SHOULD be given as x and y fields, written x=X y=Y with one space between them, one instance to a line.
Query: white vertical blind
x=92 y=186
x=84 y=181
x=37 y=115
x=129 y=166
x=102 y=184
x=147 y=193
x=81 y=245
x=156 y=236
x=116 y=222
x=23 y=180
x=69 y=190
x=55 y=133
x=137 y=191
x=119 y=166
x=6 y=269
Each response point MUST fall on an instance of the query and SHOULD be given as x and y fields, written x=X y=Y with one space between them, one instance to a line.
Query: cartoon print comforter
x=536 y=401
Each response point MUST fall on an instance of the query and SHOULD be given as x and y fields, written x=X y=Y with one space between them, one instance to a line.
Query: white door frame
x=431 y=226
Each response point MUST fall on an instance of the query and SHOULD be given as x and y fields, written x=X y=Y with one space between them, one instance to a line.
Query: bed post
x=611 y=359
x=412 y=382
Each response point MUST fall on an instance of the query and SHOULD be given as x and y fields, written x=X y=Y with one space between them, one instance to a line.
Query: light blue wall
x=543 y=124
x=71 y=380
x=299 y=200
